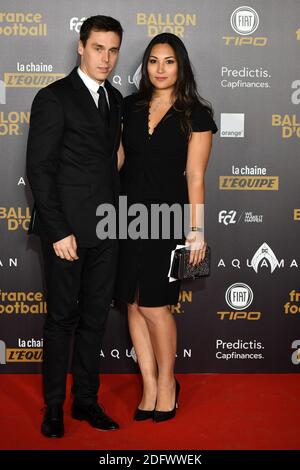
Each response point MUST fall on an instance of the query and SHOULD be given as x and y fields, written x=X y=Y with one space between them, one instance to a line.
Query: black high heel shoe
x=142 y=415
x=160 y=416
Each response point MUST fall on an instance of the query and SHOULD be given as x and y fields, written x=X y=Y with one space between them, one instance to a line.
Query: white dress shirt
x=92 y=86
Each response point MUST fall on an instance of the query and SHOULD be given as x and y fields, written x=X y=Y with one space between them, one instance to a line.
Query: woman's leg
x=146 y=359
x=162 y=328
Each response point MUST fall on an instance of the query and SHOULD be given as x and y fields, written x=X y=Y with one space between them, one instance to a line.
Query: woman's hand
x=121 y=156
x=195 y=242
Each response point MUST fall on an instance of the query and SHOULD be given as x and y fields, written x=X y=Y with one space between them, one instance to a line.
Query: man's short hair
x=99 y=23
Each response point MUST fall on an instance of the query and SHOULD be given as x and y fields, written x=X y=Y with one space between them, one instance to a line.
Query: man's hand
x=66 y=248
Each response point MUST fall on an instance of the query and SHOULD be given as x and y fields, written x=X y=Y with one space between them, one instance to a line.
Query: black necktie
x=102 y=105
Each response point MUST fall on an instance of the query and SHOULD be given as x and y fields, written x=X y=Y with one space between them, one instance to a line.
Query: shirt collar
x=88 y=81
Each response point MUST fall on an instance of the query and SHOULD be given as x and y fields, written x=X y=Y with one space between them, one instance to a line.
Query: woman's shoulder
x=199 y=107
x=132 y=103
x=132 y=99
x=202 y=118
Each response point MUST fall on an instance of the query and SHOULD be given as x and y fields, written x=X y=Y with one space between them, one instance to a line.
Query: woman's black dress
x=153 y=172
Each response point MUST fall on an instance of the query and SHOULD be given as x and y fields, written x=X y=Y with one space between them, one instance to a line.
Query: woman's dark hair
x=99 y=23
x=185 y=88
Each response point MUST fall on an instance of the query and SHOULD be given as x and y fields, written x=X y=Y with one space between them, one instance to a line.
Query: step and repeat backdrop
x=246 y=316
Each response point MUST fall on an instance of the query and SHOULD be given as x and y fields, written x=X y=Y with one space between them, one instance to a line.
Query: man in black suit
x=72 y=167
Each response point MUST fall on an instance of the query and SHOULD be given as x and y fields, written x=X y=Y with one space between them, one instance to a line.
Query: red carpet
x=218 y=411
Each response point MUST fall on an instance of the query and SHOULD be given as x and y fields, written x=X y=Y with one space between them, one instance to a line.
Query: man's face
x=100 y=54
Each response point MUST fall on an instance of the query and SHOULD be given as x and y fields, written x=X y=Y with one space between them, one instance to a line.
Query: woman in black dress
x=167 y=137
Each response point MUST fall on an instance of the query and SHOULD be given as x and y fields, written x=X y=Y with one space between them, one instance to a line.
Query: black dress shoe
x=142 y=415
x=53 y=423
x=94 y=415
x=160 y=416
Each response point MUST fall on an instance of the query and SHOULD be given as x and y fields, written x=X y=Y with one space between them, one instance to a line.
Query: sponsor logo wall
x=245 y=316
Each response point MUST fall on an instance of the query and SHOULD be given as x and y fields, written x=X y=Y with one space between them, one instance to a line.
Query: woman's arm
x=199 y=149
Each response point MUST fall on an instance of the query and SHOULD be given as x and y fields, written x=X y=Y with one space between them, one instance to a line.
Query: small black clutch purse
x=182 y=269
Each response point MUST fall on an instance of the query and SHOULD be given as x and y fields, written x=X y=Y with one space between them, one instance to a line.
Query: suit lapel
x=88 y=105
x=85 y=98
x=114 y=117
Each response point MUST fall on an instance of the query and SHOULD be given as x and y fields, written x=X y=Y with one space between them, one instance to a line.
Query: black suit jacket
x=72 y=159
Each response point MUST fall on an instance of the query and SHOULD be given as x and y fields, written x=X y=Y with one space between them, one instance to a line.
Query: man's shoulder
x=55 y=93
x=55 y=88
x=62 y=84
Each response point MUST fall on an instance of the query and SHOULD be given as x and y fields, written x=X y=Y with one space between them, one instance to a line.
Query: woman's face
x=162 y=67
